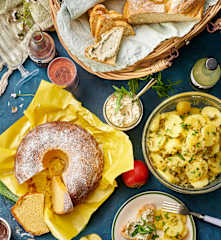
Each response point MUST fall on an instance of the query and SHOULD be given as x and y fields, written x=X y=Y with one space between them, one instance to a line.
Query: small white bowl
x=122 y=128
x=7 y=226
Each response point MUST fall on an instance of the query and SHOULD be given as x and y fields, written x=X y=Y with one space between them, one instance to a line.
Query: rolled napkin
x=9 y=4
x=40 y=12
x=78 y=7
x=4 y=81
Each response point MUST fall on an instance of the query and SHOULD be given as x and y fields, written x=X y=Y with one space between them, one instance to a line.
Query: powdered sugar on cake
x=85 y=160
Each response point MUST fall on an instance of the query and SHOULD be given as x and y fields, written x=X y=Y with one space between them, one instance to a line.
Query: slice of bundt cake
x=29 y=212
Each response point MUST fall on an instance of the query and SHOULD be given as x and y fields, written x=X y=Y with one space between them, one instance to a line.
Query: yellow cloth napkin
x=51 y=103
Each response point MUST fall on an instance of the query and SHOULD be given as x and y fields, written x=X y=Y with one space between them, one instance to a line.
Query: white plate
x=130 y=208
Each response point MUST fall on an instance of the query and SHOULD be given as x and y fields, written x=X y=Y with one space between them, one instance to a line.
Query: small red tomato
x=136 y=177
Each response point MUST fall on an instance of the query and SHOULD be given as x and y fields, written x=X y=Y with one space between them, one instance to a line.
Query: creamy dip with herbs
x=123 y=113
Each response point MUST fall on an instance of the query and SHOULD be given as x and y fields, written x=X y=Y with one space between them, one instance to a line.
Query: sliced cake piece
x=61 y=200
x=106 y=50
x=29 y=212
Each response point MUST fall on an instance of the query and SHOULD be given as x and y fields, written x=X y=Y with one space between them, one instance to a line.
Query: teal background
x=92 y=92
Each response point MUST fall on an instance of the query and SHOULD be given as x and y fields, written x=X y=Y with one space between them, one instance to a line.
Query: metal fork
x=183 y=210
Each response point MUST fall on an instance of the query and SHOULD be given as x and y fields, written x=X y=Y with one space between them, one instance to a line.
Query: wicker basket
x=160 y=59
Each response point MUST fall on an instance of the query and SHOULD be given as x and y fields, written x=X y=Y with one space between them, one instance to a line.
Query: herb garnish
x=185 y=126
x=142 y=229
x=195 y=132
x=164 y=87
x=180 y=156
x=161 y=87
x=158 y=218
x=191 y=159
x=177 y=236
x=120 y=93
x=182 y=117
x=155 y=236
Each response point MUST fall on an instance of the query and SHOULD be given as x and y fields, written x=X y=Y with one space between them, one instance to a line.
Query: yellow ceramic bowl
x=197 y=99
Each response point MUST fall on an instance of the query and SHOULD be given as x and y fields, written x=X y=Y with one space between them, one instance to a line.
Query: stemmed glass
x=13 y=55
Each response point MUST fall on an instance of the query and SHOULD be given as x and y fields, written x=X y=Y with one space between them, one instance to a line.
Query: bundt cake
x=68 y=142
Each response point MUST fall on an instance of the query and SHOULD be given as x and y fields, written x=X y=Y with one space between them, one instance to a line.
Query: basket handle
x=213 y=27
x=161 y=64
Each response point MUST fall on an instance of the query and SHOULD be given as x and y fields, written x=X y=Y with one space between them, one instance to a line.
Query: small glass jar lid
x=122 y=128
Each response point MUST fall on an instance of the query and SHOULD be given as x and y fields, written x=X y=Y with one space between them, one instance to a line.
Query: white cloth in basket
x=75 y=32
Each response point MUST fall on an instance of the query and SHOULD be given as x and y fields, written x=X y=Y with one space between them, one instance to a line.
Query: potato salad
x=184 y=145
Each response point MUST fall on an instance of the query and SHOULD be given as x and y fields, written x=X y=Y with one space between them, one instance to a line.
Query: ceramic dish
x=197 y=99
x=6 y=224
x=130 y=208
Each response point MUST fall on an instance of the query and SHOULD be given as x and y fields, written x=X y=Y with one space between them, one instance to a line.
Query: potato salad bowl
x=182 y=143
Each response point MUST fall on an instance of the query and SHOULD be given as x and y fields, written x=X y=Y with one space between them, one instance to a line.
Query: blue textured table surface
x=92 y=92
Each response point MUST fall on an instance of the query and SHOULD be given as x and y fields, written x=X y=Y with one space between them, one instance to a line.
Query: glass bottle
x=41 y=48
x=205 y=73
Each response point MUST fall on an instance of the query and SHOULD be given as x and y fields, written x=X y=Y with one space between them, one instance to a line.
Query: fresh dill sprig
x=133 y=85
x=162 y=88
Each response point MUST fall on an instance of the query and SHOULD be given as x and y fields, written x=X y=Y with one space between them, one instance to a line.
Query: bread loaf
x=94 y=14
x=158 y=11
x=106 y=50
x=102 y=20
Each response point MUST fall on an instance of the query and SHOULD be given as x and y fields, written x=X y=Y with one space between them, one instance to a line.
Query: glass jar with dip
x=125 y=111
x=5 y=230
x=127 y=116
x=63 y=72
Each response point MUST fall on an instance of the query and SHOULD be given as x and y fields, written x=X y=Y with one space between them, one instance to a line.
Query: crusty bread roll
x=103 y=25
x=94 y=14
x=158 y=11
x=106 y=50
x=102 y=20
x=128 y=29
